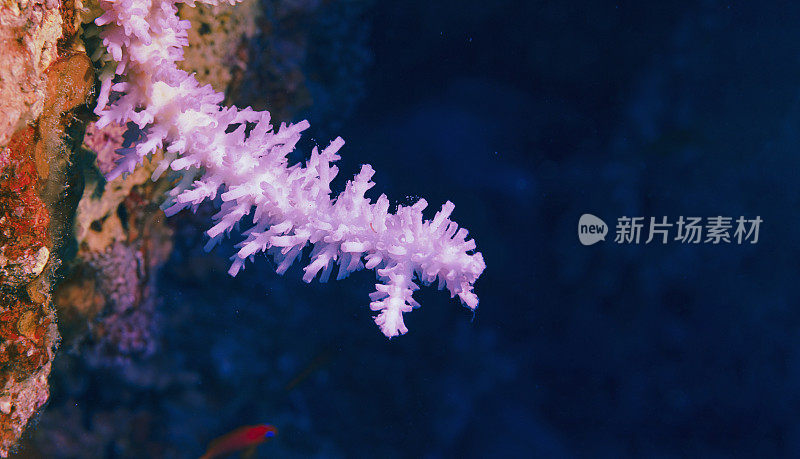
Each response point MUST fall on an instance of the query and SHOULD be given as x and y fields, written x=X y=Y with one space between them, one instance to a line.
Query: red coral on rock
x=28 y=334
x=24 y=219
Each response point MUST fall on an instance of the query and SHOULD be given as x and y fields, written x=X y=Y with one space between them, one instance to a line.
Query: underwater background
x=525 y=114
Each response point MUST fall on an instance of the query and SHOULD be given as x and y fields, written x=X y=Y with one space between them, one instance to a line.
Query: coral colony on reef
x=236 y=152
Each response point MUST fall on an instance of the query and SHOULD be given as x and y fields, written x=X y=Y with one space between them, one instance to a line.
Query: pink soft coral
x=241 y=155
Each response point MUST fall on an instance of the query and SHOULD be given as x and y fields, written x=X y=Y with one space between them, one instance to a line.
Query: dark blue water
x=525 y=114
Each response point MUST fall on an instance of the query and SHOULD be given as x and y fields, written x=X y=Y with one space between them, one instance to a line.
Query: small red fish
x=243 y=438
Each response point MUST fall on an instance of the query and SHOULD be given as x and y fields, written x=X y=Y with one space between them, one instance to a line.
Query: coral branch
x=241 y=155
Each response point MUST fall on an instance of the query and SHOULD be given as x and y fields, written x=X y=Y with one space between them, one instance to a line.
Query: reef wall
x=44 y=81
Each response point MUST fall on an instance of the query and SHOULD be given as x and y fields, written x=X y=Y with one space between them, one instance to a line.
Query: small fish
x=242 y=439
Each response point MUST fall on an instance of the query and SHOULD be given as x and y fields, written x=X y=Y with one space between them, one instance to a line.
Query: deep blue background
x=525 y=114
x=528 y=114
